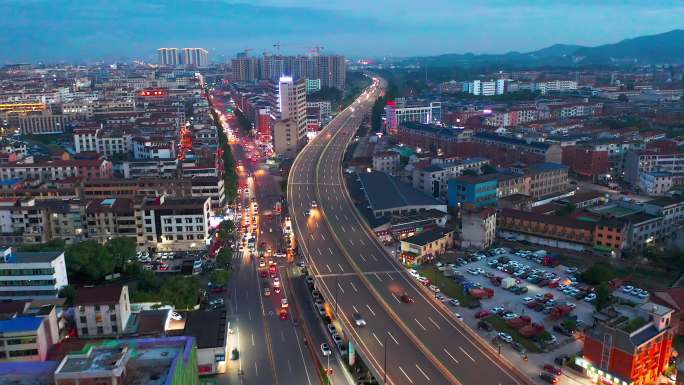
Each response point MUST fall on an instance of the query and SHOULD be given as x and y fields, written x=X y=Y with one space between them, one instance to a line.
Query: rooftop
x=385 y=192
x=32 y=257
x=666 y=201
x=20 y=324
x=550 y=219
x=428 y=236
x=544 y=167
x=208 y=328
x=98 y=295
x=27 y=372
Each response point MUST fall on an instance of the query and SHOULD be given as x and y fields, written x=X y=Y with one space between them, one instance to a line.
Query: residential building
x=171 y=223
x=655 y=182
x=432 y=179
x=210 y=331
x=551 y=230
x=611 y=235
x=587 y=160
x=628 y=346
x=637 y=162
x=674 y=299
x=508 y=184
x=290 y=132
x=504 y=150
x=312 y=86
x=426 y=246
x=387 y=162
x=399 y=113
x=437 y=140
x=43 y=122
x=52 y=170
x=148 y=168
x=23 y=338
x=555 y=85
x=545 y=179
x=486 y=87
x=110 y=217
x=101 y=310
x=31 y=275
x=168 y=57
x=146 y=148
x=479 y=191
x=478 y=228
x=670 y=208
x=194 y=57
x=169 y=360
x=644 y=229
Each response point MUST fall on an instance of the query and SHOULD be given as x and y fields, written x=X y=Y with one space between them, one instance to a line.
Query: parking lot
x=492 y=272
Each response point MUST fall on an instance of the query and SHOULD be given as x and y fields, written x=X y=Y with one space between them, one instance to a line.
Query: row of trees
x=230 y=177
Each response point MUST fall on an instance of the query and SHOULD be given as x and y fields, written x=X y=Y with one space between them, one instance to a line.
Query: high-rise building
x=168 y=56
x=289 y=132
x=245 y=69
x=198 y=57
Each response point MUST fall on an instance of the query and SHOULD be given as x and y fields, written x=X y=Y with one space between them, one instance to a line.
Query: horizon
x=64 y=31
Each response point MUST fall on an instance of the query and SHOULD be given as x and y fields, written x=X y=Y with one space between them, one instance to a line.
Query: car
x=276 y=282
x=590 y=297
x=527 y=300
x=434 y=288
x=283 y=303
x=440 y=297
x=548 y=377
x=405 y=298
x=423 y=280
x=550 y=368
x=413 y=273
x=497 y=310
x=454 y=302
x=473 y=271
x=307 y=213
x=643 y=295
x=315 y=294
x=282 y=314
x=505 y=337
x=263 y=273
x=458 y=316
x=627 y=289
x=517 y=346
x=310 y=281
x=358 y=320
x=571 y=270
x=175 y=316
x=267 y=291
x=510 y=316
x=276 y=289
x=483 y=314
x=320 y=308
x=325 y=349
x=262 y=262
x=484 y=325
x=337 y=339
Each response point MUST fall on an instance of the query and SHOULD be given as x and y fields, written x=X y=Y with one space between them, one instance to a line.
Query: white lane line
x=464 y=352
x=340 y=286
x=337 y=218
x=393 y=339
x=433 y=322
x=353 y=287
x=289 y=366
x=329 y=269
x=362 y=257
x=340 y=266
x=406 y=375
x=355 y=309
x=378 y=277
x=370 y=310
x=419 y=324
x=422 y=372
x=312 y=237
x=390 y=277
x=252 y=334
x=249 y=314
x=282 y=336
x=449 y=354
x=322 y=237
x=319 y=251
x=395 y=298
x=343 y=230
x=330 y=250
x=377 y=339
x=256 y=369
x=351 y=242
x=374 y=257
x=361 y=240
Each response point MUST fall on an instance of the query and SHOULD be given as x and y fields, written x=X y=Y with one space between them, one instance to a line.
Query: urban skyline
x=61 y=31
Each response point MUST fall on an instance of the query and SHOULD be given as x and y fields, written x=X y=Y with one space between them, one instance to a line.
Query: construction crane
x=277 y=47
x=317 y=50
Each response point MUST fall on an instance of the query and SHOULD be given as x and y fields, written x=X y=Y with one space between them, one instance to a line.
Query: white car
x=413 y=273
x=505 y=337
x=510 y=316
x=441 y=297
x=325 y=349
x=175 y=316
x=458 y=316
x=422 y=280
x=590 y=297
x=434 y=288
x=276 y=282
x=283 y=303
x=528 y=299
x=454 y=302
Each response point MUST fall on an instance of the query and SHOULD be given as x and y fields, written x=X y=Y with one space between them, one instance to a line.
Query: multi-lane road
x=406 y=343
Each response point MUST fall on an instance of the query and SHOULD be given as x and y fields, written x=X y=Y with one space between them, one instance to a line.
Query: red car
x=483 y=314
x=263 y=273
x=283 y=314
x=218 y=289
x=552 y=369
x=273 y=274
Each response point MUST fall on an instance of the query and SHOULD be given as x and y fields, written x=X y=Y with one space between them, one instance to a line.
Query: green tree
x=597 y=273
x=226 y=230
x=224 y=257
x=68 y=292
x=121 y=249
x=180 y=292
x=603 y=296
x=220 y=277
x=53 y=245
x=487 y=169
x=469 y=172
x=88 y=262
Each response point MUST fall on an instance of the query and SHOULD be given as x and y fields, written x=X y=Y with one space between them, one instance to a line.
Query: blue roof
x=548 y=166
x=19 y=324
x=10 y=182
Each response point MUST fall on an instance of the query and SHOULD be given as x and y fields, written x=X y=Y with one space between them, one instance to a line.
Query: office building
x=399 y=113
x=101 y=310
x=31 y=275
x=24 y=338
x=147 y=361
x=478 y=191
x=174 y=223
x=628 y=345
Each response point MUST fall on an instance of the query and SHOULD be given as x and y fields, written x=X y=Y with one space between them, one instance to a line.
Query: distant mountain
x=666 y=47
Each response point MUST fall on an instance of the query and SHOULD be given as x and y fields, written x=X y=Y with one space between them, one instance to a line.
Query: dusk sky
x=34 y=30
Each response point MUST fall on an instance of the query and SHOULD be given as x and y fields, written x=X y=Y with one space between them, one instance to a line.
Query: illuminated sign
x=153 y=93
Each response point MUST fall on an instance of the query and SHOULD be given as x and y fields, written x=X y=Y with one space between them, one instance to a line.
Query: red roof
x=98 y=295
x=674 y=297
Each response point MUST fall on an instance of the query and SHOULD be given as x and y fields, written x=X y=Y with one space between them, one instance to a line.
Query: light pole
x=385 y=363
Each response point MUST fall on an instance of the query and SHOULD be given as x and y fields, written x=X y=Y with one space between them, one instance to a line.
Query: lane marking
x=433 y=322
x=377 y=339
x=328 y=266
x=340 y=266
x=256 y=369
x=464 y=352
x=319 y=251
x=351 y=242
x=449 y=354
x=353 y=287
x=370 y=310
x=420 y=324
x=330 y=250
x=374 y=258
x=390 y=277
x=395 y=298
x=252 y=334
x=343 y=230
x=322 y=236
x=282 y=336
x=362 y=257
x=355 y=309
x=422 y=372
x=393 y=339
x=406 y=375
x=340 y=286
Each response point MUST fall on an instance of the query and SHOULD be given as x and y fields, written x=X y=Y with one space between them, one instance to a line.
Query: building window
x=83 y=319
x=84 y=331
x=100 y=330
x=112 y=307
x=115 y=329
x=97 y=307
x=112 y=317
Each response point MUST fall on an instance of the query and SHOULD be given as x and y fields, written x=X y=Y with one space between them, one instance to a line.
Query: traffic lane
x=406 y=363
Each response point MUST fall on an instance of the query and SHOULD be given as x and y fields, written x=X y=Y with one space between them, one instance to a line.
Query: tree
x=68 y=292
x=597 y=273
x=487 y=169
x=226 y=230
x=224 y=257
x=53 y=245
x=220 y=277
x=469 y=172
x=121 y=249
x=603 y=297
x=88 y=262
x=180 y=292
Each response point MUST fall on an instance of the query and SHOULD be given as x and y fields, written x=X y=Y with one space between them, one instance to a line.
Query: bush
x=597 y=274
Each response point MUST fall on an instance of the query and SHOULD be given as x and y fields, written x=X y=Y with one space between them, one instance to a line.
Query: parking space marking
x=370 y=310
x=449 y=354
x=418 y=322
x=466 y=353
x=433 y=322
x=422 y=372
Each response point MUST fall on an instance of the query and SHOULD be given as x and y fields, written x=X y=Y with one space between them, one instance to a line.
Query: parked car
x=548 y=377
x=505 y=337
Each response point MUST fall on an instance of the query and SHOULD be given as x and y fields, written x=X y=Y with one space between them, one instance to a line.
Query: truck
x=508 y=282
x=481 y=293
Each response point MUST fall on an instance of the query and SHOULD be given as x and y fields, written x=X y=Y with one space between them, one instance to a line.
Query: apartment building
x=399 y=113
x=478 y=228
x=637 y=162
x=387 y=162
x=433 y=179
x=628 y=345
x=545 y=179
x=146 y=148
x=172 y=223
x=23 y=338
x=289 y=133
x=671 y=209
x=110 y=217
x=478 y=191
x=101 y=310
x=438 y=140
x=655 y=182
x=52 y=170
x=149 y=168
x=31 y=275
x=503 y=150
